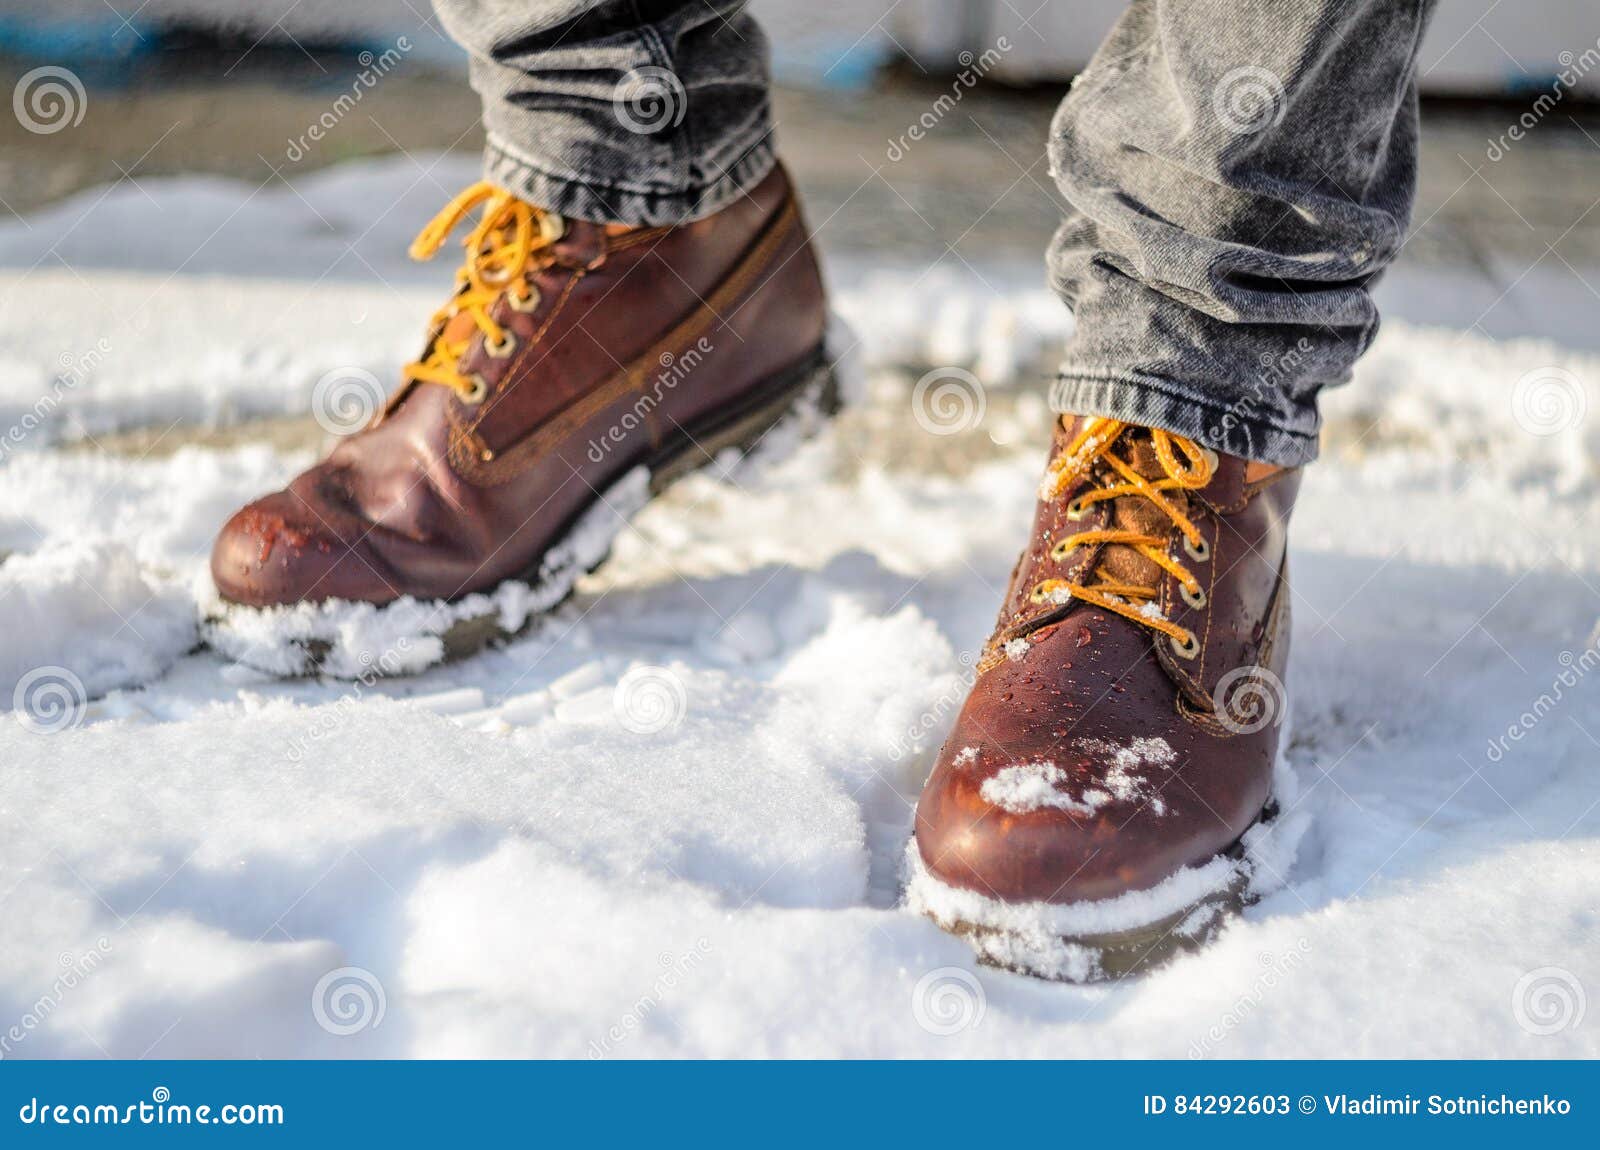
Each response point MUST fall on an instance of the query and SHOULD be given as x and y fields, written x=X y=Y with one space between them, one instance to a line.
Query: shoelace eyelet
x=1185 y=650
x=500 y=350
x=523 y=305
x=1076 y=510
x=1197 y=600
x=552 y=227
x=1064 y=548
x=479 y=392
x=1198 y=553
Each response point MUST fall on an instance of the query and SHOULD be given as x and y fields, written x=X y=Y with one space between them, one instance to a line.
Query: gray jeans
x=1239 y=173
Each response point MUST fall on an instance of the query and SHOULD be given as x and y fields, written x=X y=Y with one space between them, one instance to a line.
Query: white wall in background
x=1512 y=47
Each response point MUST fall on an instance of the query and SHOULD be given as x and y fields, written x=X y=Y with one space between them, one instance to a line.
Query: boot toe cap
x=1062 y=828
x=278 y=551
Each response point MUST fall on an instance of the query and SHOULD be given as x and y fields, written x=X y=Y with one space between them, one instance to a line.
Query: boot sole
x=752 y=435
x=1115 y=955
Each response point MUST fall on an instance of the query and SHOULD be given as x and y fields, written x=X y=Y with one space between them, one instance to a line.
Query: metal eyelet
x=523 y=305
x=1076 y=510
x=1197 y=600
x=479 y=392
x=1186 y=650
x=1063 y=548
x=502 y=349
x=1038 y=594
x=1200 y=553
x=552 y=226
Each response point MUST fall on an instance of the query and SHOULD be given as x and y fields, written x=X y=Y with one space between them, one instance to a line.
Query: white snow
x=210 y=851
x=1025 y=787
x=86 y=608
x=1028 y=787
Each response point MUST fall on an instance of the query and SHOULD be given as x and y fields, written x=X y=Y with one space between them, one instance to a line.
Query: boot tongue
x=1120 y=562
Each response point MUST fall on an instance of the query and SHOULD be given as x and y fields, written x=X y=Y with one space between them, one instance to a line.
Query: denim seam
x=682 y=144
x=1171 y=391
x=500 y=145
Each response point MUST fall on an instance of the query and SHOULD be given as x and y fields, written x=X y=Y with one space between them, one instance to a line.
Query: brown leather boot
x=1092 y=809
x=572 y=355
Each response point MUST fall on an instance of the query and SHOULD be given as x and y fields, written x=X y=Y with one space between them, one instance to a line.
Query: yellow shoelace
x=500 y=251
x=1130 y=600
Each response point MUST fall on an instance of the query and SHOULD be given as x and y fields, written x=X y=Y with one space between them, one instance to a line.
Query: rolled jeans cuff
x=1151 y=401
x=564 y=189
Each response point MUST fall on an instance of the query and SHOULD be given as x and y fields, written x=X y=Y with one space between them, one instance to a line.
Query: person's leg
x=1239 y=174
x=625 y=111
